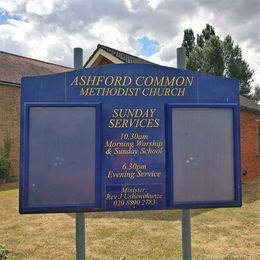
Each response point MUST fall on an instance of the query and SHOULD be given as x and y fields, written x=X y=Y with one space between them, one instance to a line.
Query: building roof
x=249 y=105
x=13 y=67
x=122 y=56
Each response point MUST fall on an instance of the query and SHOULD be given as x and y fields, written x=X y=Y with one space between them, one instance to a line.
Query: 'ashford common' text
x=147 y=86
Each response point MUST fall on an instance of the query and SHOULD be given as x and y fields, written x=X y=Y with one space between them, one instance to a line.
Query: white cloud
x=8 y=6
x=40 y=7
x=108 y=33
x=249 y=54
x=197 y=21
x=111 y=34
x=154 y=3
x=16 y=31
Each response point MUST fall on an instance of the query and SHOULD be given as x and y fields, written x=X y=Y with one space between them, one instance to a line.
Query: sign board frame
x=97 y=87
x=24 y=179
x=236 y=156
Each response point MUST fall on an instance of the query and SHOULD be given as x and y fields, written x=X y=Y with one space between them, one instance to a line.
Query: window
x=258 y=137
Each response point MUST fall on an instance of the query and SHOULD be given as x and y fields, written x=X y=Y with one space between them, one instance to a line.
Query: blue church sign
x=129 y=137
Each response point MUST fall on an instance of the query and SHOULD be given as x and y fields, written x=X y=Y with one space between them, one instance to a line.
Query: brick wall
x=250 y=162
x=105 y=61
x=10 y=122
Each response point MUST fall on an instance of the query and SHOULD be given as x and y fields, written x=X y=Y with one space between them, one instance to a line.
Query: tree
x=213 y=56
x=200 y=40
x=208 y=59
x=206 y=34
x=188 y=41
x=256 y=95
x=236 y=66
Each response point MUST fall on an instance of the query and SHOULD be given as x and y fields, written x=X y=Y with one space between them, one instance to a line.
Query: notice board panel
x=62 y=156
x=203 y=155
x=125 y=156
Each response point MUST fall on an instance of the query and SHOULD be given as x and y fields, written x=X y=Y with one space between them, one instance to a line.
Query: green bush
x=12 y=179
x=3 y=252
x=5 y=160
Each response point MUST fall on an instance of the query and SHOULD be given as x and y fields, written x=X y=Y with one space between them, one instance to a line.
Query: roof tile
x=123 y=56
x=13 y=67
x=248 y=104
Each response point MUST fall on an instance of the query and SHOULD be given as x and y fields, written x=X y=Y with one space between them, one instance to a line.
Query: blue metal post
x=80 y=217
x=186 y=230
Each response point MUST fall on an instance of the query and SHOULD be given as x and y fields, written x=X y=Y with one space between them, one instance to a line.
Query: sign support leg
x=186 y=235
x=186 y=231
x=80 y=236
x=80 y=217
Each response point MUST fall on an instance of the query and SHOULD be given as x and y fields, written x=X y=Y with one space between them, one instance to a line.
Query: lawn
x=230 y=233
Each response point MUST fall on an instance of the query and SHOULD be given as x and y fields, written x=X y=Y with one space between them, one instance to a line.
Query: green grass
x=224 y=233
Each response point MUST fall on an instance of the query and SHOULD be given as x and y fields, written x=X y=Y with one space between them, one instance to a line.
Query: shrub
x=3 y=252
x=5 y=161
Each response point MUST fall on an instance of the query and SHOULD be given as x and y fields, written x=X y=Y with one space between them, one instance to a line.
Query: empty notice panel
x=202 y=154
x=62 y=156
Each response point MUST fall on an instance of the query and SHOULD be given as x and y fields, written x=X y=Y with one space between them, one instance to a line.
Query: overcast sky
x=153 y=29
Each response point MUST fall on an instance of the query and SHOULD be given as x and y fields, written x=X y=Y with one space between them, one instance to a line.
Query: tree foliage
x=218 y=57
x=5 y=160
x=256 y=95
x=236 y=66
x=206 y=34
x=188 y=41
